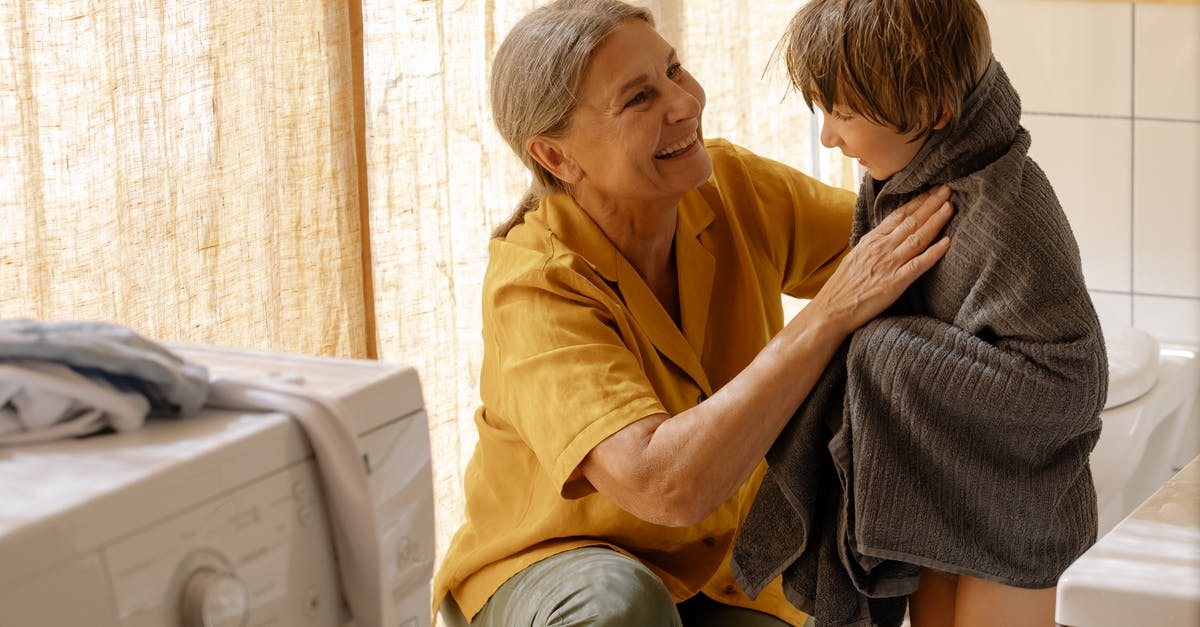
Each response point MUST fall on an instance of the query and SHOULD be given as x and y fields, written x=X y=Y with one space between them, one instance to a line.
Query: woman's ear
x=549 y=153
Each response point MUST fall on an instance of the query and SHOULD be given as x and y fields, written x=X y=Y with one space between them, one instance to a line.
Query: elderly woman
x=636 y=362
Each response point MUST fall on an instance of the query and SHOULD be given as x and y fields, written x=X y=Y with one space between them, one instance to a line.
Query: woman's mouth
x=678 y=148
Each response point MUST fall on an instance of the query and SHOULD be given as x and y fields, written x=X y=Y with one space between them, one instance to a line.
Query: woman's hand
x=885 y=262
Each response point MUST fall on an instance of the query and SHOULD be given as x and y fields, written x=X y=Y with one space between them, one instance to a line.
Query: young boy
x=953 y=440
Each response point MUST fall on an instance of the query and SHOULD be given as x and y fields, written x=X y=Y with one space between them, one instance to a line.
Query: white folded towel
x=42 y=401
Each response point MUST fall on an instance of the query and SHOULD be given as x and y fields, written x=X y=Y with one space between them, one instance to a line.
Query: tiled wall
x=1111 y=94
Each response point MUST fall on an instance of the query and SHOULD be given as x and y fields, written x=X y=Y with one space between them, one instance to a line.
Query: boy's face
x=879 y=149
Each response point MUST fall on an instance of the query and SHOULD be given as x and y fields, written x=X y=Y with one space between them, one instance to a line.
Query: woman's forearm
x=715 y=446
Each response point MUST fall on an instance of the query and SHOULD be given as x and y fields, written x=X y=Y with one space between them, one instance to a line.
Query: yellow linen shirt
x=577 y=347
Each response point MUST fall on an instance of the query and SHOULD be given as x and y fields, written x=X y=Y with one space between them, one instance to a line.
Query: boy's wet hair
x=899 y=63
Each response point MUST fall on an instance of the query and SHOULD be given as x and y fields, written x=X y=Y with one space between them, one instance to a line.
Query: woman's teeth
x=676 y=148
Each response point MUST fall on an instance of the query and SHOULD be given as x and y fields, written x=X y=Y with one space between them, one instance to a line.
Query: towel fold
x=68 y=379
x=954 y=431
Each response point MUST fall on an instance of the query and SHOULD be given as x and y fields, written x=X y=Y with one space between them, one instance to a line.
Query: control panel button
x=211 y=598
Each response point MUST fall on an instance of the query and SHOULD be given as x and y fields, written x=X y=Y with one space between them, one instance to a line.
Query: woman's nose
x=684 y=104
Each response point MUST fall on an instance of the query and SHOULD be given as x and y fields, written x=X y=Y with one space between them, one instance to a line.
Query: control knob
x=213 y=598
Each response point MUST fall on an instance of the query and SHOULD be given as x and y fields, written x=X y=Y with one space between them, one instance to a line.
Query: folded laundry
x=113 y=353
x=43 y=401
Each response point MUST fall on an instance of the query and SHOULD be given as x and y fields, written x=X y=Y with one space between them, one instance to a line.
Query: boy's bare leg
x=933 y=604
x=982 y=603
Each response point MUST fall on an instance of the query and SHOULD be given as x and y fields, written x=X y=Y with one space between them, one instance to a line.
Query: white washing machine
x=216 y=519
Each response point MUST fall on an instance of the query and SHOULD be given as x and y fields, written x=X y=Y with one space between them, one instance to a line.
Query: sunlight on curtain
x=439 y=176
x=184 y=167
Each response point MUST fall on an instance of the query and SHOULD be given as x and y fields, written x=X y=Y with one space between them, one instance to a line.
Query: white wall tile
x=1115 y=310
x=1088 y=160
x=1167 y=61
x=1168 y=319
x=1066 y=57
x=1166 y=208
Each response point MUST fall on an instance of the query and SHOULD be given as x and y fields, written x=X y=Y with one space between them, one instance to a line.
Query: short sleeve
x=570 y=378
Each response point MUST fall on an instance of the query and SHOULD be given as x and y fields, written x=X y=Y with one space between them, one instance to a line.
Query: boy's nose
x=829 y=138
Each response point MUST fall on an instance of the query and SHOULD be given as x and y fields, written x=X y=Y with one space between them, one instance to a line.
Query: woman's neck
x=645 y=236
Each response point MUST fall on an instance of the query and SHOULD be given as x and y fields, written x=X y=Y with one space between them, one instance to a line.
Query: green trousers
x=598 y=587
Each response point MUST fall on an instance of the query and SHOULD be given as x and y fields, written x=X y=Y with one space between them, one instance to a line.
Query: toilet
x=1150 y=427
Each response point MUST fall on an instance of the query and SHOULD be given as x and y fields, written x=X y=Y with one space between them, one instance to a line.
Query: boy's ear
x=549 y=153
x=943 y=121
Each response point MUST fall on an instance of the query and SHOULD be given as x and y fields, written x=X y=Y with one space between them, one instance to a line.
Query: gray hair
x=536 y=77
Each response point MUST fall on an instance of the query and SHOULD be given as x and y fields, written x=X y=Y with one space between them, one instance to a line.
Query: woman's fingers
x=917 y=266
x=924 y=230
x=887 y=260
x=909 y=230
x=910 y=242
x=919 y=209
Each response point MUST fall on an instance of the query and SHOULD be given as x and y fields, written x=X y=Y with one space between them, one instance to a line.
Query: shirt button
x=730 y=589
x=709 y=541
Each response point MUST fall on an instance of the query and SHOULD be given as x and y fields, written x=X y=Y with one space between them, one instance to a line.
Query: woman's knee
x=609 y=588
x=591 y=586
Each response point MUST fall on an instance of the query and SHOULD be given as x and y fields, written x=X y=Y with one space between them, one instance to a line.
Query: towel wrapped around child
x=954 y=431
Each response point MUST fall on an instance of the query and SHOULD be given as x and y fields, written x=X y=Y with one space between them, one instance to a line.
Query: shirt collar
x=697 y=267
x=576 y=229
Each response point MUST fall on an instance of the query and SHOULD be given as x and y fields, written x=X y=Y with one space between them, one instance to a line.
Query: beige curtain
x=315 y=176
x=439 y=179
x=184 y=167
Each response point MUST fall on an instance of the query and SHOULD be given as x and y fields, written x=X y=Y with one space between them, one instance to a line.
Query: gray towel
x=954 y=431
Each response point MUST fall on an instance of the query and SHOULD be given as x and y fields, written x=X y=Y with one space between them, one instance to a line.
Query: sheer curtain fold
x=191 y=168
x=184 y=167
x=438 y=178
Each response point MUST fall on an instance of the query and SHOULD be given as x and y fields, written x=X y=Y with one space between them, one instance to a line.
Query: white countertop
x=1146 y=571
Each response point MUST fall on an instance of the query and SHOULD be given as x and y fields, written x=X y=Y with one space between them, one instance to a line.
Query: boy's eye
x=839 y=116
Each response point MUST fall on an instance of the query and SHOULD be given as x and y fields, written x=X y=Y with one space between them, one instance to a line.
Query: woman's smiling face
x=635 y=135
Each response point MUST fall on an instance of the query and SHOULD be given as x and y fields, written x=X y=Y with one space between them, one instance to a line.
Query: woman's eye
x=636 y=100
x=674 y=70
